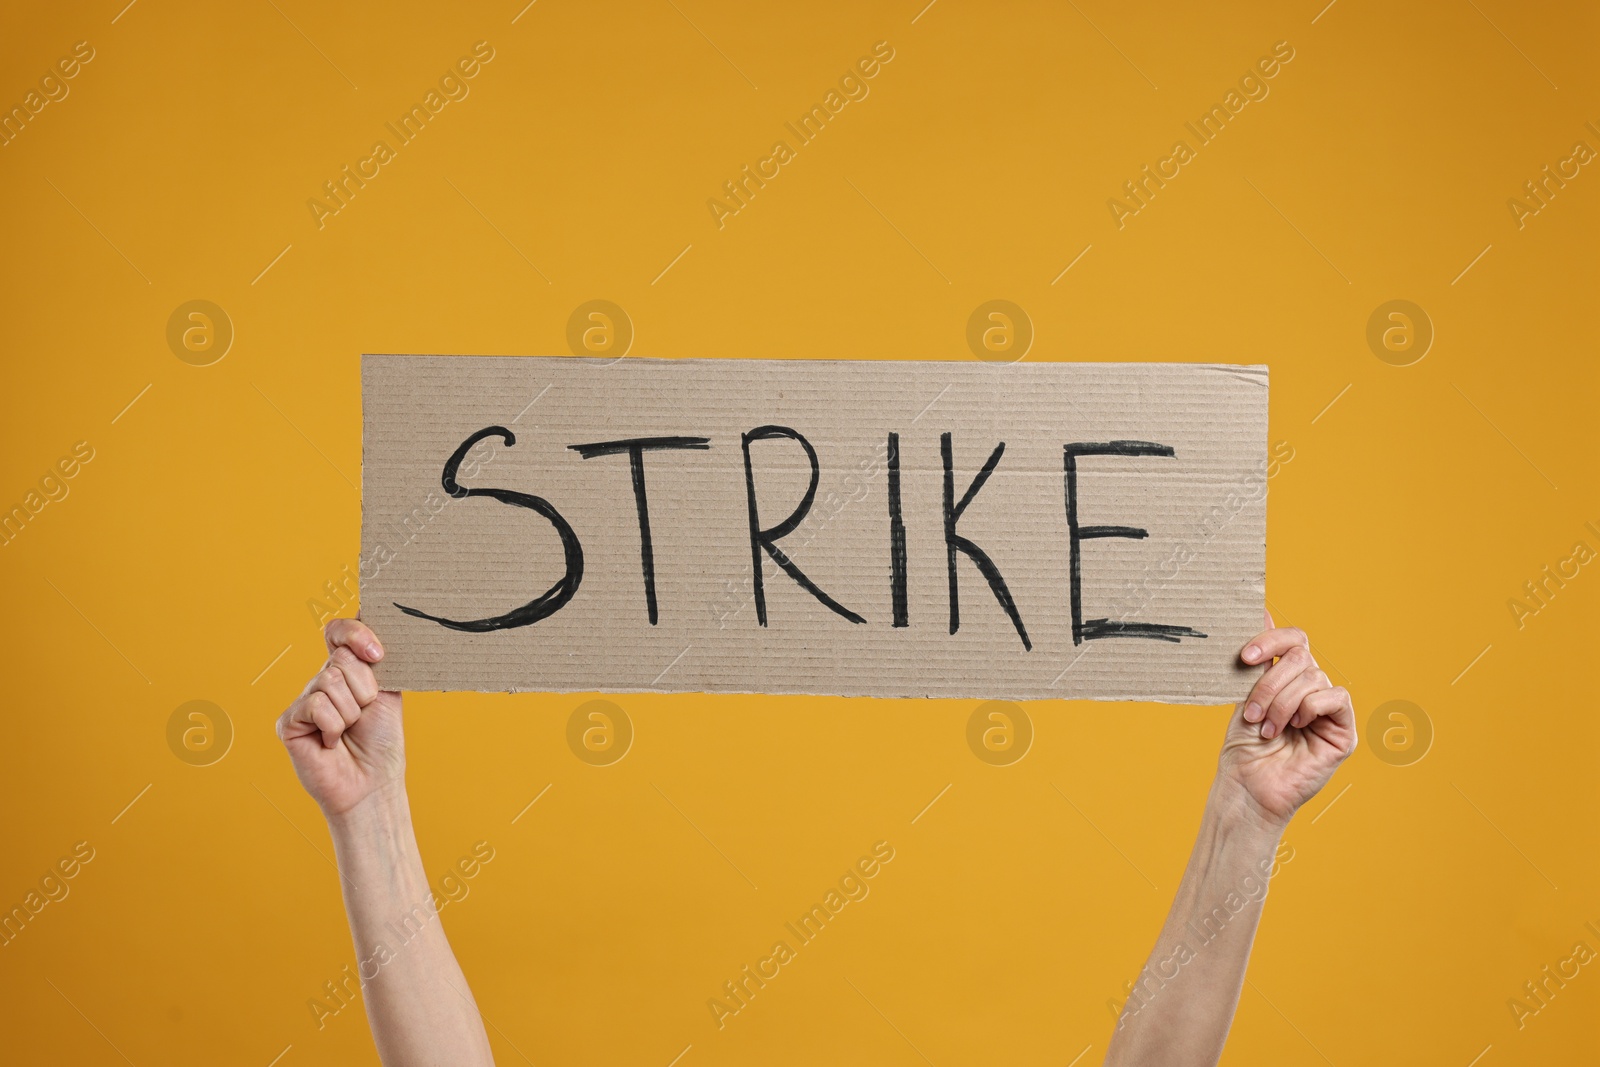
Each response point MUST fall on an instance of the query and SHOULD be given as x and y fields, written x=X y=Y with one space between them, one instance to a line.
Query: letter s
x=551 y=600
x=83 y=50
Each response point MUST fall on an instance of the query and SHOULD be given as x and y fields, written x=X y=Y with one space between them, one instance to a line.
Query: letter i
x=897 y=536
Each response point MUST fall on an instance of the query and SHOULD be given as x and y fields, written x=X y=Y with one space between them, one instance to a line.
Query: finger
x=1334 y=705
x=289 y=726
x=1268 y=616
x=330 y=682
x=1270 y=684
x=357 y=675
x=313 y=713
x=1287 y=702
x=1301 y=713
x=354 y=635
x=1273 y=642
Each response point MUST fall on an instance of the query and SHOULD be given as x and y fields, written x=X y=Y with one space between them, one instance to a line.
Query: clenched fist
x=1293 y=730
x=344 y=733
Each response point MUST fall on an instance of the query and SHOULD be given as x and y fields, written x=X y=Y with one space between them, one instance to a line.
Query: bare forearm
x=417 y=1000
x=1182 y=1004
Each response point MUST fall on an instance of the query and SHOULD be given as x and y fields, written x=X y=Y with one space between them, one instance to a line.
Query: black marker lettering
x=768 y=539
x=636 y=448
x=1094 y=629
x=897 y=536
x=954 y=541
x=553 y=599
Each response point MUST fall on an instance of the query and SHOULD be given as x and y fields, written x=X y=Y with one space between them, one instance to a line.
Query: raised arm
x=348 y=746
x=1282 y=745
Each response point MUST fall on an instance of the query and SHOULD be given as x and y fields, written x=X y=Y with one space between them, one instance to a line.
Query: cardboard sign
x=889 y=529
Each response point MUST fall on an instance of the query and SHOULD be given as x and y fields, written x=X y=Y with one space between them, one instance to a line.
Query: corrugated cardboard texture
x=1200 y=568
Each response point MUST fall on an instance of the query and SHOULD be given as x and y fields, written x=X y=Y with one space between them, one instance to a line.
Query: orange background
x=179 y=565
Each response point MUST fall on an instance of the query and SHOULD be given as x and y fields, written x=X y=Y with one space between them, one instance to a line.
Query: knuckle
x=1270 y=688
x=340 y=633
x=1294 y=663
x=356 y=669
x=1299 y=637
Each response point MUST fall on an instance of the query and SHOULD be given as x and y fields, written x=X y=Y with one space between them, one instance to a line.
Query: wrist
x=1234 y=811
x=384 y=814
